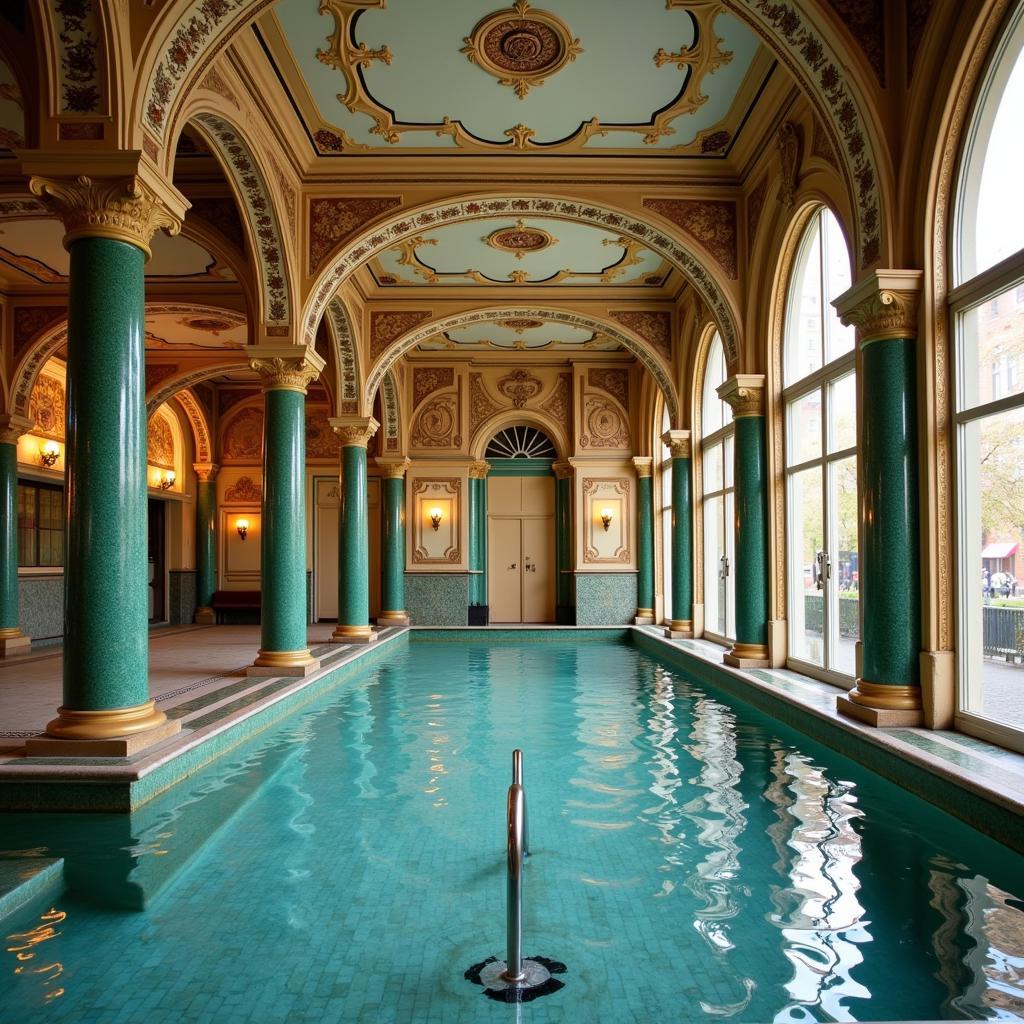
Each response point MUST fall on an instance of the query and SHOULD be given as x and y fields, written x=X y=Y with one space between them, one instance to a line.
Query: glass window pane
x=806 y=539
x=992 y=350
x=729 y=459
x=728 y=585
x=992 y=209
x=803 y=345
x=714 y=552
x=803 y=428
x=666 y=536
x=839 y=339
x=713 y=468
x=843 y=413
x=712 y=413
x=992 y=479
x=845 y=589
x=27 y=525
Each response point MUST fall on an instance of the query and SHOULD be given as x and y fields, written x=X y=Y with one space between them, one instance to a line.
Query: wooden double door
x=521 y=549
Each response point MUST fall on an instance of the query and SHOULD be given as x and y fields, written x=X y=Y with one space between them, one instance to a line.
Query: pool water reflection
x=691 y=861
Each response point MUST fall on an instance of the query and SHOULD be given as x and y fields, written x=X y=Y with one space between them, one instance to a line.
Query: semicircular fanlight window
x=520 y=443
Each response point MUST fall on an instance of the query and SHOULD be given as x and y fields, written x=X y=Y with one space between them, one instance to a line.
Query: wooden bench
x=246 y=603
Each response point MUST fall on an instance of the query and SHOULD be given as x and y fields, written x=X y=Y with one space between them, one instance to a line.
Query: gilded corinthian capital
x=285 y=367
x=678 y=443
x=354 y=431
x=115 y=196
x=883 y=305
x=745 y=393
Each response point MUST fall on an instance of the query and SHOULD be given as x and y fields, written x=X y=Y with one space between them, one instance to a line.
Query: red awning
x=1003 y=550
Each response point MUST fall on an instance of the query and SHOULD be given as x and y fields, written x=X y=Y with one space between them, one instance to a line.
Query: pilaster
x=393 y=472
x=644 y=539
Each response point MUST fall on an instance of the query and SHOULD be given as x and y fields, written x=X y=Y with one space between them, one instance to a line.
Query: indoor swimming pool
x=692 y=860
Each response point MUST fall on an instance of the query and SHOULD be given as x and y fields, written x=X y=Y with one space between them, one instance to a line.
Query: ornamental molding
x=393 y=469
x=745 y=394
x=520 y=387
x=354 y=432
x=344 y=343
x=244 y=491
x=678 y=442
x=128 y=208
x=882 y=306
x=521 y=46
x=790 y=143
x=519 y=239
x=12 y=427
x=286 y=367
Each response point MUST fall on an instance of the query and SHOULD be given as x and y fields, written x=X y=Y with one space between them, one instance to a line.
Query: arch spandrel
x=659 y=369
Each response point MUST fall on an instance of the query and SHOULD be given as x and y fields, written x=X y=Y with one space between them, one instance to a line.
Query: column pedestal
x=644 y=541
x=883 y=307
x=353 y=533
x=287 y=371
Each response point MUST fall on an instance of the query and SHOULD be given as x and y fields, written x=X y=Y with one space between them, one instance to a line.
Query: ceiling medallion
x=521 y=46
x=520 y=324
x=209 y=325
x=519 y=240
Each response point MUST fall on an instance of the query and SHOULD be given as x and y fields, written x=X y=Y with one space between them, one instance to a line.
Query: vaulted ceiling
x=644 y=77
x=522 y=334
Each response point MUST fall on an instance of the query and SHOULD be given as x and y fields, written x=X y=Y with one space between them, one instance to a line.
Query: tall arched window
x=665 y=511
x=987 y=310
x=716 y=441
x=820 y=396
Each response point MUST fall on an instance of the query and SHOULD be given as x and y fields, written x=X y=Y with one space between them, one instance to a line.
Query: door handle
x=513 y=565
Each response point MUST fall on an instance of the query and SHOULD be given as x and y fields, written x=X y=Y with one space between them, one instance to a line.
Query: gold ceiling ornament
x=630 y=258
x=520 y=324
x=521 y=46
x=520 y=239
x=126 y=209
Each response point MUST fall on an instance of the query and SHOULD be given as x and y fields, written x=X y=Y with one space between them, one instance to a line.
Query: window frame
x=663 y=509
x=1005 y=278
x=37 y=567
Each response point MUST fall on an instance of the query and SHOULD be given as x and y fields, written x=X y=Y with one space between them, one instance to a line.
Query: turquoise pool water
x=692 y=861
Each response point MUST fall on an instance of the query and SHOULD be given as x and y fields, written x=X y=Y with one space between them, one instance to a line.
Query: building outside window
x=717 y=433
x=820 y=395
x=665 y=512
x=988 y=330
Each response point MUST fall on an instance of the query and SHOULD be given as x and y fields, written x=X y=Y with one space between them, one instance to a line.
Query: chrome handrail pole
x=517 y=779
x=516 y=820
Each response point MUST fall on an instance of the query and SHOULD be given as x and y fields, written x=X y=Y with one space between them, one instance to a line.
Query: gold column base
x=283 y=663
x=679 y=629
x=747 y=656
x=393 y=619
x=644 y=617
x=13 y=641
x=118 y=732
x=882 y=705
x=353 y=635
x=205 y=616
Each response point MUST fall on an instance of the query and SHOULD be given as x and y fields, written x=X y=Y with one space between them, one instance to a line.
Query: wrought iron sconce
x=49 y=454
x=435 y=518
x=167 y=478
x=606 y=518
x=242 y=525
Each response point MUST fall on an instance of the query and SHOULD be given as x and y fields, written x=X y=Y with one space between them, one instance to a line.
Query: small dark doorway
x=157 y=598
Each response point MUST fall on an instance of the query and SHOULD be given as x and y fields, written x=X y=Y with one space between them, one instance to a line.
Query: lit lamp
x=49 y=453
x=606 y=518
x=167 y=478
x=435 y=518
x=242 y=525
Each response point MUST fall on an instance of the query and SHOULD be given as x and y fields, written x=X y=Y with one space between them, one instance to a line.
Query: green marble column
x=12 y=639
x=565 y=611
x=883 y=307
x=206 y=541
x=644 y=540
x=393 y=543
x=286 y=371
x=681 y=621
x=354 y=533
x=478 y=534
x=745 y=393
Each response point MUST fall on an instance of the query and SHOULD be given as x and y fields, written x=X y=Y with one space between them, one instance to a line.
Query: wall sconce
x=49 y=454
x=242 y=525
x=167 y=478
x=435 y=518
x=606 y=518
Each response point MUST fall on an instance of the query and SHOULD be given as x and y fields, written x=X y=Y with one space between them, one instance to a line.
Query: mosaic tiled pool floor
x=692 y=862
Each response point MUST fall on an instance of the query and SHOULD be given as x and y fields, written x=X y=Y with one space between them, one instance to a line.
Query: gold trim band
x=681 y=625
x=106 y=724
x=886 y=696
x=742 y=650
x=283 y=659
x=341 y=632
